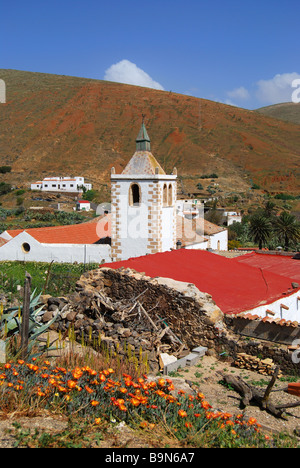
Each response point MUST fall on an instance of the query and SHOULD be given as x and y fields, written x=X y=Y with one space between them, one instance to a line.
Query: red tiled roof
x=85 y=233
x=234 y=286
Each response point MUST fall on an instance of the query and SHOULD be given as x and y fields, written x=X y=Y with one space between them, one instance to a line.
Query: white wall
x=292 y=302
x=61 y=253
x=219 y=241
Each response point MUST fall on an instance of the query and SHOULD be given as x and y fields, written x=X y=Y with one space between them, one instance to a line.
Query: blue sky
x=244 y=53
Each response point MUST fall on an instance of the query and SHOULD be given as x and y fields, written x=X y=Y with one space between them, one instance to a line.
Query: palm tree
x=287 y=228
x=260 y=229
x=270 y=209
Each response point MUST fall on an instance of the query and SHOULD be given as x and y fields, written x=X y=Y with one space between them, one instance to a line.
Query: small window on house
x=165 y=195
x=134 y=195
x=26 y=247
x=46 y=185
x=170 y=195
x=53 y=185
x=71 y=185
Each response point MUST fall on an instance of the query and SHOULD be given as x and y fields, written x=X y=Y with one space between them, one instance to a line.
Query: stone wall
x=192 y=317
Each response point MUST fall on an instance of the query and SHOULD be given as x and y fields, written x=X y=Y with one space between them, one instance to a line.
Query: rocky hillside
x=60 y=125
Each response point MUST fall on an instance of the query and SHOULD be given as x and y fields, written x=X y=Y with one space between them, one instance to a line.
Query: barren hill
x=288 y=111
x=61 y=125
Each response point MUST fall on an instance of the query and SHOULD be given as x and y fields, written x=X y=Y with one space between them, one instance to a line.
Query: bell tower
x=143 y=205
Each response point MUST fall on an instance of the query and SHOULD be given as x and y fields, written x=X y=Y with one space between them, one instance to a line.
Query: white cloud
x=276 y=90
x=127 y=72
x=240 y=93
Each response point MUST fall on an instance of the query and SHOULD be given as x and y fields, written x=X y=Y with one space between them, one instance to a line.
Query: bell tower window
x=134 y=195
x=170 y=195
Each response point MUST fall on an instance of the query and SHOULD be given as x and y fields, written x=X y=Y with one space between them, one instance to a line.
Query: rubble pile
x=126 y=309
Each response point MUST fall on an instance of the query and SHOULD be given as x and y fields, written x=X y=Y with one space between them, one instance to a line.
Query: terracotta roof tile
x=85 y=233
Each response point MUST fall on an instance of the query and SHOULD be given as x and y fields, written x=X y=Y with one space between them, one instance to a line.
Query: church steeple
x=143 y=140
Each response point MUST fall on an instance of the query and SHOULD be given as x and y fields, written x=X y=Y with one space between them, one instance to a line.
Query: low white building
x=61 y=184
x=82 y=243
x=83 y=205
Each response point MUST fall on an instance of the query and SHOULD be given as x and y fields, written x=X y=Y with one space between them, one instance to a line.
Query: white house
x=232 y=217
x=61 y=184
x=83 y=205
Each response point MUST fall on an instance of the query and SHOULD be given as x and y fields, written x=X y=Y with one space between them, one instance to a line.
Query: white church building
x=143 y=220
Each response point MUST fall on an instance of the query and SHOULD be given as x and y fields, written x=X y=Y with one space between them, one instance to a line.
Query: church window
x=170 y=195
x=165 y=195
x=134 y=195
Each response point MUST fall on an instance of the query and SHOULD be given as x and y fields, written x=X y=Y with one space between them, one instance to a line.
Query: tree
x=270 y=209
x=260 y=229
x=287 y=229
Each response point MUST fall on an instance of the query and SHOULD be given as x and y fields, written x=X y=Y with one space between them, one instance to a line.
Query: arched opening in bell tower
x=134 y=195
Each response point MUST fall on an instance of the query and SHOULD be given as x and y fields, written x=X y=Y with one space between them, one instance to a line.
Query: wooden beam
x=25 y=316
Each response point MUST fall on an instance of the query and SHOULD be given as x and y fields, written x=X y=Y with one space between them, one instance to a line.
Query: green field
x=56 y=279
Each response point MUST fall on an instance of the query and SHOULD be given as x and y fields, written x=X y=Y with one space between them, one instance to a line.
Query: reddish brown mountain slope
x=59 y=125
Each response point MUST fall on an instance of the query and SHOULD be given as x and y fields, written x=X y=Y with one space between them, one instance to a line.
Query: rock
x=47 y=316
x=71 y=316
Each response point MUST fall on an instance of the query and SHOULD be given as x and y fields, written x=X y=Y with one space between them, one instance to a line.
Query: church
x=143 y=221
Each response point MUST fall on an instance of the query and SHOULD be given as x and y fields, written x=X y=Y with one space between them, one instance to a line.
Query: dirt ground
x=206 y=375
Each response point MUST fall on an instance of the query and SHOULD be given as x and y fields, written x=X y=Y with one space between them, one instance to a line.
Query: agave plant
x=11 y=322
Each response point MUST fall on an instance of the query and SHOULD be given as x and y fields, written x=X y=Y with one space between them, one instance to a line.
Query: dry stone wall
x=152 y=316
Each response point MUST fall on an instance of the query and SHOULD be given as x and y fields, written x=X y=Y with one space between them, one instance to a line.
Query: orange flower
x=77 y=373
x=62 y=389
x=161 y=382
x=97 y=420
x=252 y=421
x=95 y=403
x=71 y=383
x=182 y=413
x=134 y=401
x=205 y=405
x=152 y=384
x=122 y=408
x=143 y=424
x=229 y=423
x=123 y=390
x=88 y=389
x=200 y=395
x=188 y=425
